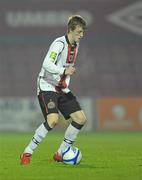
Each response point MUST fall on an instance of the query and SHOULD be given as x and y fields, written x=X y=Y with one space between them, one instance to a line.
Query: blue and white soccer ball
x=72 y=155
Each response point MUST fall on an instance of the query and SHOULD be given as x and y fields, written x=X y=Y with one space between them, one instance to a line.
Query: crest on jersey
x=71 y=54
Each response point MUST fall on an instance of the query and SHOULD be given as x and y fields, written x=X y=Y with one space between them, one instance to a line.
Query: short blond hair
x=76 y=20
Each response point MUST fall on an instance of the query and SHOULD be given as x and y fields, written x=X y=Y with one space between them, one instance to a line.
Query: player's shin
x=70 y=135
x=39 y=135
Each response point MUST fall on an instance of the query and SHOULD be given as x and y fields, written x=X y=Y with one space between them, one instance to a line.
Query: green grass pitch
x=106 y=156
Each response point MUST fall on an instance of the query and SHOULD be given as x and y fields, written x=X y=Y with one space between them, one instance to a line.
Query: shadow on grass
x=52 y=163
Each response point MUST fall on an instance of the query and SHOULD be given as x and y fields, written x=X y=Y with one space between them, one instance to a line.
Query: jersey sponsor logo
x=53 y=55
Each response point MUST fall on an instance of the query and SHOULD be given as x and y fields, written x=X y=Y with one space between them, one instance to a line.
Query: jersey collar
x=66 y=37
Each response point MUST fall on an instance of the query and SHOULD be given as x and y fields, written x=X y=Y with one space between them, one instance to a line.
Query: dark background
x=109 y=62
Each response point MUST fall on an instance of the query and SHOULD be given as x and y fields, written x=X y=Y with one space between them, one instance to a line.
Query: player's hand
x=70 y=70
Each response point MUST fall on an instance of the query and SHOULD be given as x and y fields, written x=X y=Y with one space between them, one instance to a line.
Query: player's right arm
x=51 y=58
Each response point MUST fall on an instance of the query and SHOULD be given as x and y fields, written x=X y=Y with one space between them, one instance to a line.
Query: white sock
x=39 y=135
x=70 y=136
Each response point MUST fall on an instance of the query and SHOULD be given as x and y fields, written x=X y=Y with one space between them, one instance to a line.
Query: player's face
x=77 y=33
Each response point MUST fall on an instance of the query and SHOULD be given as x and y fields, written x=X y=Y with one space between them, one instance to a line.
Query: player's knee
x=52 y=120
x=55 y=122
x=80 y=118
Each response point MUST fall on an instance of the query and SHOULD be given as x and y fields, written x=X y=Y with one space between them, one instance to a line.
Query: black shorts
x=52 y=102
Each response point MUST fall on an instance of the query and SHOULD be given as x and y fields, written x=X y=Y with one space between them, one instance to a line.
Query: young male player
x=54 y=94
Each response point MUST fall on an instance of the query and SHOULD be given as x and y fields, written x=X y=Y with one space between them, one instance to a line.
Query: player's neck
x=71 y=40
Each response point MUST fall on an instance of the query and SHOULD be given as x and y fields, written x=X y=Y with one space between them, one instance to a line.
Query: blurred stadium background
x=109 y=77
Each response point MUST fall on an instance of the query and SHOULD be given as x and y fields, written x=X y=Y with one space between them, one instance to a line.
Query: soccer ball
x=72 y=155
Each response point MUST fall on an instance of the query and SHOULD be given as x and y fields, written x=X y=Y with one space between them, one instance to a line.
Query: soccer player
x=53 y=90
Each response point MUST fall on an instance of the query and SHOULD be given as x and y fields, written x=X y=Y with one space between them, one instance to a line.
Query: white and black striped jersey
x=60 y=55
